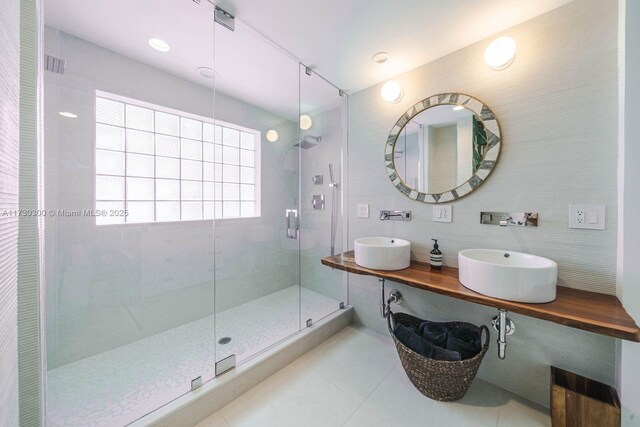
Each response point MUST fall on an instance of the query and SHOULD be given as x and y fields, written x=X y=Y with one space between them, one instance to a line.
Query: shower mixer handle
x=292 y=223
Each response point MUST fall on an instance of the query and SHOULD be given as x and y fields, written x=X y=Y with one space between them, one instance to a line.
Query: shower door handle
x=292 y=223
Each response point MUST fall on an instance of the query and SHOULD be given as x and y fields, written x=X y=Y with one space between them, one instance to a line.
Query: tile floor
x=121 y=385
x=355 y=379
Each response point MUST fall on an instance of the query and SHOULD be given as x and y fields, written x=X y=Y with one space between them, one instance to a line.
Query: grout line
x=372 y=391
x=338 y=385
x=502 y=403
x=223 y=417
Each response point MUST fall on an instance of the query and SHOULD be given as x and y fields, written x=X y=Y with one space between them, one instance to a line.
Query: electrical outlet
x=362 y=211
x=587 y=217
x=442 y=213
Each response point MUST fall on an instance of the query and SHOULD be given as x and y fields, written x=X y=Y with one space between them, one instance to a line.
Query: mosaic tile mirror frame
x=486 y=152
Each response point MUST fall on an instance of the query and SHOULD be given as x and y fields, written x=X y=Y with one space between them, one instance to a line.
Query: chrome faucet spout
x=506 y=220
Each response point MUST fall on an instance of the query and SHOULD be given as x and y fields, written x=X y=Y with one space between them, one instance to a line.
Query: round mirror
x=443 y=148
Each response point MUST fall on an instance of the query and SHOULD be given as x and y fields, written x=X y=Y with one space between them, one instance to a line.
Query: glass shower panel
x=321 y=234
x=129 y=227
x=256 y=184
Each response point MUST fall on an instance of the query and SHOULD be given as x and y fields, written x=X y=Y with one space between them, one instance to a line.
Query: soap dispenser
x=435 y=256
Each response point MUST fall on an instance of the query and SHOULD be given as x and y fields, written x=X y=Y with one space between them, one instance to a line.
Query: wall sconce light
x=391 y=92
x=272 y=135
x=500 y=53
x=305 y=122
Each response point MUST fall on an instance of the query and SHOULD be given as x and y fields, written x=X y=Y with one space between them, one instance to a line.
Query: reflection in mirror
x=440 y=148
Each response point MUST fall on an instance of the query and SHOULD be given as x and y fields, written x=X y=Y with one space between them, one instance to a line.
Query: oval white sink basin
x=382 y=253
x=508 y=275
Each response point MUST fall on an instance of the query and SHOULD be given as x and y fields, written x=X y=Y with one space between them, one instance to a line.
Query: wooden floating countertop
x=590 y=311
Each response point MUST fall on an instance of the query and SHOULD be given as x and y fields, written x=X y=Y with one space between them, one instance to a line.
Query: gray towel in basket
x=420 y=345
x=435 y=332
x=464 y=341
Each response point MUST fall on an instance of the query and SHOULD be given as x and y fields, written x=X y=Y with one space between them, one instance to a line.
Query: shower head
x=308 y=141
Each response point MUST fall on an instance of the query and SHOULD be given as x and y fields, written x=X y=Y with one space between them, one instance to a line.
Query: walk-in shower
x=182 y=262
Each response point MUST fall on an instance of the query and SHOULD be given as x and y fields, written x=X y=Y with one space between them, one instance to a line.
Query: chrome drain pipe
x=504 y=326
x=394 y=297
x=383 y=306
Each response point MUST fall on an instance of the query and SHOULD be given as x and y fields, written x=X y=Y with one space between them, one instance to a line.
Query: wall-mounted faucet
x=506 y=220
x=395 y=215
x=503 y=219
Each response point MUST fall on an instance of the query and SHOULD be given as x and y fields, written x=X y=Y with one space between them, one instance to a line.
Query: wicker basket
x=438 y=379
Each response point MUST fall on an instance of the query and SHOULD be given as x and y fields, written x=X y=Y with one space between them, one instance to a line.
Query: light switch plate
x=442 y=213
x=590 y=217
x=362 y=210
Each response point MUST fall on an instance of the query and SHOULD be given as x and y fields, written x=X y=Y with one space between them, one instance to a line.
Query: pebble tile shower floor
x=121 y=385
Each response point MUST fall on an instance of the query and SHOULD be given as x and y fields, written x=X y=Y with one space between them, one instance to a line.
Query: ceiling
x=339 y=37
x=334 y=37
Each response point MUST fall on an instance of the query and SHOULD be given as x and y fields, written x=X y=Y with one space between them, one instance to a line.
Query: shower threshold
x=123 y=384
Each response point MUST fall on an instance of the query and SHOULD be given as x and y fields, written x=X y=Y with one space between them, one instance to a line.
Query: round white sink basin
x=382 y=253
x=508 y=275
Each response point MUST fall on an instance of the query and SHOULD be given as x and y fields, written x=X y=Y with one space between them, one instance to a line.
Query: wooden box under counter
x=577 y=401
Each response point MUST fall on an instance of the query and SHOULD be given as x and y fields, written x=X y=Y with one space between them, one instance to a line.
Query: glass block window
x=158 y=165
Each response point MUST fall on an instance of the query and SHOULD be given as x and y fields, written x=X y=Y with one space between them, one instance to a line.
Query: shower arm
x=334 y=188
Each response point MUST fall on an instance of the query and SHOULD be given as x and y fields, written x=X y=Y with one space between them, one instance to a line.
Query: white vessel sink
x=508 y=275
x=382 y=253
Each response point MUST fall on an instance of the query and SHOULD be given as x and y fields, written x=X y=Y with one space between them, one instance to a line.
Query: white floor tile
x=523 y=413
x=398 y=403
x=215 y=420
x=364 y=417
x=325 y=388
x=295 y=396
x=355 y=361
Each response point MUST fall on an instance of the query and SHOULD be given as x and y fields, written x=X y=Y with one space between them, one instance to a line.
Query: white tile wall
x=557 y=107
x=9 y=91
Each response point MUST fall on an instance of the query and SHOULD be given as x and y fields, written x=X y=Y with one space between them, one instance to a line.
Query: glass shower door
x=256 y=194
x=129 y=228
x=322 y=108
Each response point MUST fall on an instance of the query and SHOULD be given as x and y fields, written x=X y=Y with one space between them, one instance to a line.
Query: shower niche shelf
x=589 y=311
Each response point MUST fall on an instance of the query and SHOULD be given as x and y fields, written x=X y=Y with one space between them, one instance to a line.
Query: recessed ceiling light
x=391 y=92
x=68 y=114
x=159 y=45
x=381 y=57
x=272 y=135
x=206 y=72
x=305 y=122
x=500 y=53
x=458 y=108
